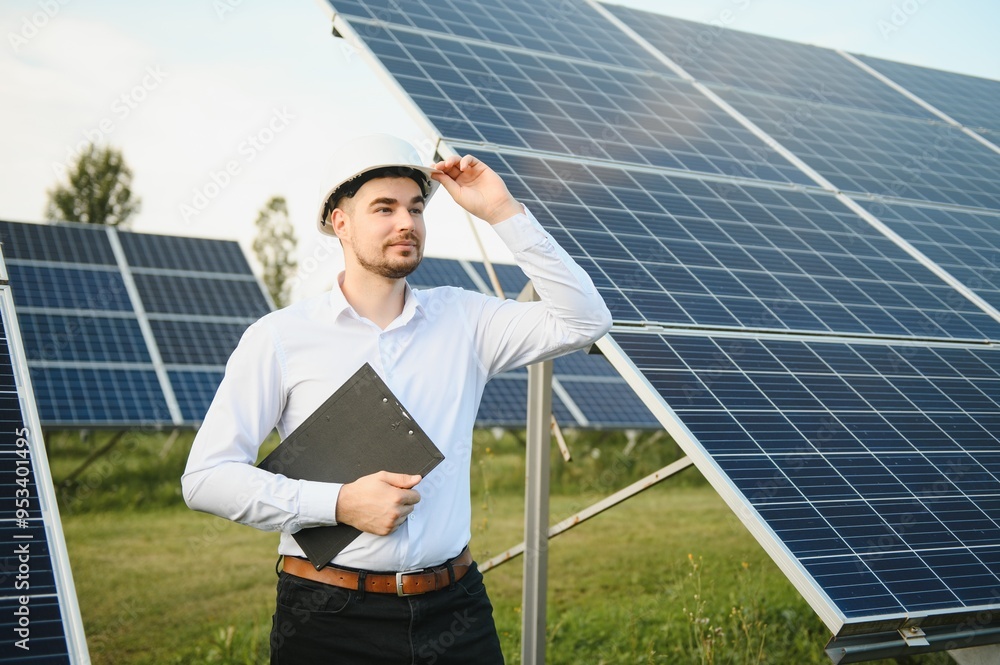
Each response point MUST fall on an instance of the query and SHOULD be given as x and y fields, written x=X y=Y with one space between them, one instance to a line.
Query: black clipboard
x=360 y=429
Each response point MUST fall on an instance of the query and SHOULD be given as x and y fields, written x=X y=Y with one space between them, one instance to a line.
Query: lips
x=404 y=243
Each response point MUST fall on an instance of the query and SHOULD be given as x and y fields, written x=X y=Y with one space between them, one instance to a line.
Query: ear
x=338 y=222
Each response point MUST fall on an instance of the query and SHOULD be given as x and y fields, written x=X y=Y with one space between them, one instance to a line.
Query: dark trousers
x=316 y=623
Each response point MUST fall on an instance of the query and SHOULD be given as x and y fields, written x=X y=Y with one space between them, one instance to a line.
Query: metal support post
x=536 y=514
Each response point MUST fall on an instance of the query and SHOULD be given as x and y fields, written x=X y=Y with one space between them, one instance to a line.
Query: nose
x=406 y=219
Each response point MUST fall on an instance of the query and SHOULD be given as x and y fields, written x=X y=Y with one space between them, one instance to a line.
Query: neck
x=378 y=299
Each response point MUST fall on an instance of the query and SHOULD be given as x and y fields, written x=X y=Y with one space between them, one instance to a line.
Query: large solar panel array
x=587 y=392
x=40 y=615
x=124 y=328
x=804 y=285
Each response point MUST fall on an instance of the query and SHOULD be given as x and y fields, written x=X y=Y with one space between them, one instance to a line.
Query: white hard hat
x=364 y=154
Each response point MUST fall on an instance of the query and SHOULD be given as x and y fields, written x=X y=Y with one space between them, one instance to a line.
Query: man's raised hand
x=477 y=188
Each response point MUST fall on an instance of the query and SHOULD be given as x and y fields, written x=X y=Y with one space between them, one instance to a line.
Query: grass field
x=670 y=576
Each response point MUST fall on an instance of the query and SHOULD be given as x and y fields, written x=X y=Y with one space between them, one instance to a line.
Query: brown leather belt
x=409 y=583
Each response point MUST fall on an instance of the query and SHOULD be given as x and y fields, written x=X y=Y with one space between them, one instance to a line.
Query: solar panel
x=572 y=30
x=512 y=279
x=533 y=100
x=713 y=54
x=589 y=393
x=434 y=272
x=59 y=288
x=195 y=390
x=871 y=153
x=200 y=255
x=111 y=317
x=85 y=339
x=970 y=100
x=873 y=464
x=690 y=252
x=41 y=619
x=60 y=244
x=221 y=296
x=839 y=393
x=966 y=243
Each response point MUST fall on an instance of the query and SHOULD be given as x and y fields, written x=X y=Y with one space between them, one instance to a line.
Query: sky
x=218 y=105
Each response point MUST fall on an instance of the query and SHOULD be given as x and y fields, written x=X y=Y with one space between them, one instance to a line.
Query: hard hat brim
x=432 y=186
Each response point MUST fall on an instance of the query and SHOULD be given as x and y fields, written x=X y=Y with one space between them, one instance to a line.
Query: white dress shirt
x=436 y=357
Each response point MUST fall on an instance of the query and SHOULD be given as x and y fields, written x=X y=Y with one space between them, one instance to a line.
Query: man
x=436 y=349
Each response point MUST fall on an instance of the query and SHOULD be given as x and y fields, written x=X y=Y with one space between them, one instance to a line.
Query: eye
x=416 y=211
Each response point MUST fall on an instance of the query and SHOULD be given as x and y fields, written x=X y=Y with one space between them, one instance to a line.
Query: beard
x=396 y=268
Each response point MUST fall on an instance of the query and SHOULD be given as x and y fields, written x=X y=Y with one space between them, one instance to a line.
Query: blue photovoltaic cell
x=765 y=64
x=505 y=401
x=608 y=404
x=483 y=94
x=873 y=463
x=61 y=243
x=970 y=100
x=572 y=30
x=195 y=391
x=52 y=287
x=872 y=153
x=966 y=243
x=146 y=250
x=69 y=395
x=512 y=279
x=196 y=342
x=198 y=295
x=78 y=338
x=687 y=252
x=434 y=272
x=586 y=365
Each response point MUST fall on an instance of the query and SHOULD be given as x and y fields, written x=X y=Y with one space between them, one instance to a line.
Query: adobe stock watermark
x=121 y=108
x=899 y=16
x=247 y=151
x=32 y=25
x=225 y=7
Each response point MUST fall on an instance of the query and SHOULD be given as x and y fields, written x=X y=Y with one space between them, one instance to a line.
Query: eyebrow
x=386 y=200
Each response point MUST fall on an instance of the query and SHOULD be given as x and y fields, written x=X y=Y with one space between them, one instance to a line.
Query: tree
x=99 y=190
x=274 y=247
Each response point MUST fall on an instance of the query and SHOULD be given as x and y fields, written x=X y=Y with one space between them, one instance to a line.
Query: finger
x=401 y=480
x=447 y=181
x=410 y=498
x=468 y=161
x=447 y=163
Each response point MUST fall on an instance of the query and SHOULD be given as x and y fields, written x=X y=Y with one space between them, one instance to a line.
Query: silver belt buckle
x=399 y=583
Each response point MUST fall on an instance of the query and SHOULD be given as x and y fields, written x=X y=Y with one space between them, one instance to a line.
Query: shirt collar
x=340 y=306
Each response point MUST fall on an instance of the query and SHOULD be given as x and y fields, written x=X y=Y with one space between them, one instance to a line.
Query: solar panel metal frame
x=48 y=507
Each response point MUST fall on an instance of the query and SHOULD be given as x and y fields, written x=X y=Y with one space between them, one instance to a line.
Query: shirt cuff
x=521 y=232
x=318 y=503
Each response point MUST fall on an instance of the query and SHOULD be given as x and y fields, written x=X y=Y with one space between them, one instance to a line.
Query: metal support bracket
x=914 y=636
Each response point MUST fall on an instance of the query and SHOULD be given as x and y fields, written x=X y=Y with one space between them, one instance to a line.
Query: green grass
x=670 y=576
